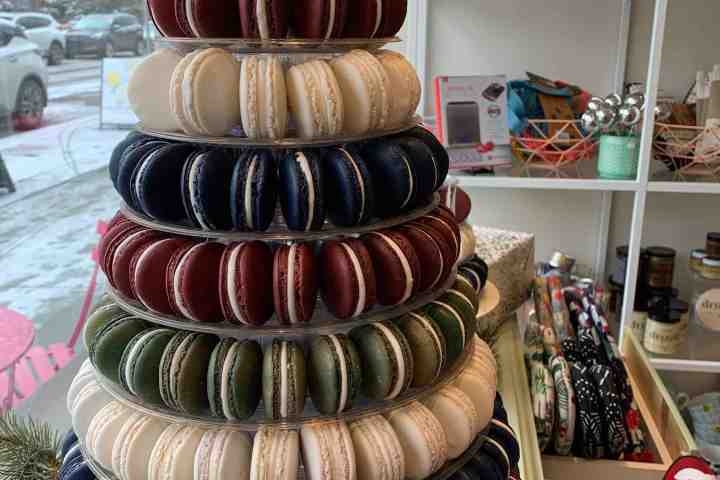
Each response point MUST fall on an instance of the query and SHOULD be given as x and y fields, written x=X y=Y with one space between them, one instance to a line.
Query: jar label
x=665 y=338
x=637 y=324
x=707 y=309
x=661 y=275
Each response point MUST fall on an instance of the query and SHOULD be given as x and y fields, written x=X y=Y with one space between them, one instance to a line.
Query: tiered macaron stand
x=322 y=322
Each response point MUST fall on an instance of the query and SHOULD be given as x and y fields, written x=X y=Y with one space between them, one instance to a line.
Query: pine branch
x=28 y=449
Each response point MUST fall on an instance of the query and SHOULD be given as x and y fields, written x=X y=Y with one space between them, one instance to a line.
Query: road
x=73 y=90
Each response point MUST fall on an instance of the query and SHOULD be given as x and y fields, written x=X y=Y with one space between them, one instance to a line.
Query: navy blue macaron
x=76 y=469
x=348 y=187
x=392 y=171
x=301 y=190
x=206 y=188
x=253 y=191
x=499 y=412
x=133 y=140
x=440 y=154
x=423 y=163
x=503 y=434
x=128 y=163
x=156 y=182
x=69 y=440
x=496 y=451
x=483 y=466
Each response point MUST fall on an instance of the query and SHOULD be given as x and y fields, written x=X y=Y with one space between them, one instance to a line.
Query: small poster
x=115 y=106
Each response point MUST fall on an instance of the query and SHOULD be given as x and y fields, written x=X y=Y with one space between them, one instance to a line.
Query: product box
x=511 y=258
x=472 y=120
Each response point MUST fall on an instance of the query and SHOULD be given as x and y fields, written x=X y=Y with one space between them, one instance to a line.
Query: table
x=17 y=334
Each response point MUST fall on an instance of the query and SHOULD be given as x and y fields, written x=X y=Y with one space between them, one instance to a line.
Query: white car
x=43 y=30
x=23 y=78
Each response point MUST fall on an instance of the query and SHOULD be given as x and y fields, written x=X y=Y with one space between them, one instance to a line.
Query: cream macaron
x=174 y=453
x=149 y=90
x=478 y=388
x=134 y=445
x=88 y=402
x=405 y=87
x=104 y=430
x=378 y=452
x=263 y=97
x=275 y=455
x=205 y=93
x=366 y=90
x=423 y=440
x=316 y=100
x=223 y=454
x=85 y=375
x=328 y=452
x=457 y=414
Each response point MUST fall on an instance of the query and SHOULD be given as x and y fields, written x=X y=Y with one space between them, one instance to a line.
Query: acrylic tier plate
x=275 y=45
x=362 y=407
x=278 y=231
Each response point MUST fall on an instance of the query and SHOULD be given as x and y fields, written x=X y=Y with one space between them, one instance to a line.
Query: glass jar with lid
x=705 y=310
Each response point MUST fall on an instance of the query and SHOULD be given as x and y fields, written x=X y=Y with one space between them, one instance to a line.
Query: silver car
x=43 y=30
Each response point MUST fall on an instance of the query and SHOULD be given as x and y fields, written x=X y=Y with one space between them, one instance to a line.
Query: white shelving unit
x=640 y=188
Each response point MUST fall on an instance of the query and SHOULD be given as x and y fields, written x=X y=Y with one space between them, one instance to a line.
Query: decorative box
x=511 y=258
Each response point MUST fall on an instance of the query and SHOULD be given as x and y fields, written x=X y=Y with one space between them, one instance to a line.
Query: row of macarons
x=208 y=93
x=412 y=441
x=246 y=283
x=230 y=189
x=201 y=374
x=278 y=19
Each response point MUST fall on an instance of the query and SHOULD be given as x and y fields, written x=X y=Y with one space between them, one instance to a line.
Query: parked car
x=23 y=77
x=43 y=30
x=104 y=35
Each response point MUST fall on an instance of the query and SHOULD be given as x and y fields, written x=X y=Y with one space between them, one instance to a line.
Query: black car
x=104 y=35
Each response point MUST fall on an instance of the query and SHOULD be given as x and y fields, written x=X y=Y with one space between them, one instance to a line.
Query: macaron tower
x=285 y=292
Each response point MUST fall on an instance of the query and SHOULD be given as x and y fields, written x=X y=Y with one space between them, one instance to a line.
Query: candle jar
x=661 y=267
x=696 y=259
x=705 y=310
x=666 y=328
x=712 y=246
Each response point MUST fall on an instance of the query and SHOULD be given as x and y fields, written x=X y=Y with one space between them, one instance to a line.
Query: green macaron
x=464 y=286
x=334 y=373
x=234 y=379
x=453 y=327
x=284 y=380
x=140 y=364
x=183 y=372
x=107 y=349
x=386 y=360
x=463 y=306
x=98 y=319
x=428 y=346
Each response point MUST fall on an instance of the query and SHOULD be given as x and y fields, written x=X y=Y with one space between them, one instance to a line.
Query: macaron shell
x=188 y=385
x=432 y=254
x=134 y=444
x=348 y=282
x=284 y=380
x=263 y=97
x=302 y=195
x=315 y=100
x=275 y=455
x=428 y=347
x=247 y=295
x=396 y=264
x=364 y=19
x=448 y=229
x=328 y=451
x=212 y=182
x=457 y=201
x=378 y=453
x=391 y=168
x=223 y=453
x=295 y=283
x=174 y=454
x=134 y=139
x=123 y=256
x=84 y=376
x=214 y=18
x=192 y=282
x=480 y=392
x=107 y=350
x=334 y=373
x=253 y=191
x=148 y=90
x=91 y=399
x=274 y=13
x=103 y=430
x=457 y=415
x=320 y=19
x=147 y=272
x=164 y=15
x=109 y=243
x=424 y=166
x=440 y=154
x=140 y=364
x=405 y=87
x=98 y=319
x=349 y=187
x=453 y=327
x=393 y=17
x=360 y=94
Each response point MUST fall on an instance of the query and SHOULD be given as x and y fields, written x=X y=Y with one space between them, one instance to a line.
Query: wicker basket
x=567 y=145
x=688 y=151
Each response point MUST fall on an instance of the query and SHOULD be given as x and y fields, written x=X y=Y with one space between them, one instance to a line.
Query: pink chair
x=24 y=367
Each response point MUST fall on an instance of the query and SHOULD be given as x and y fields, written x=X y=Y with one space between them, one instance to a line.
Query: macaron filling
x=248 y=194
x=232 y=285
x=378 y=17
x=177 y=283
x=290 y=287
x=304 y=165
x=360 y=276
x=399 y=360
x=262 y=19
x=331 y=18
x=284 y=387
x=360 y=182
x=343 y=369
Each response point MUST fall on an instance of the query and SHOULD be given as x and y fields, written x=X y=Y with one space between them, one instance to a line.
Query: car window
x=7 y=32
x=28 y=23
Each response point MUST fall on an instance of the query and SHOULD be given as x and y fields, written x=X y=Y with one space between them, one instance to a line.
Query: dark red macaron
x=213 y=18
x=347 y=281
x=364 y=20
x=123 y=255
x=295 y=283
x=246 y=283
x=166 y=16
x=321 y=19
x=397 y=266
x=117 y=219
x=191 y=281
x=109 y=243
x=457 y=201
x=274 y=24
x=447 y=226
x=434 y=257
x=446 y=245
x=147 y=272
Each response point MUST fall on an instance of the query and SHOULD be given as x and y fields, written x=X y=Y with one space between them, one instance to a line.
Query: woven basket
x=688 y=151
x=568 y=145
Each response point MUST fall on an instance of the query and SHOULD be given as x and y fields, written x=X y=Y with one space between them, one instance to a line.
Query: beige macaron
x=328 y=452
x=149 y=90
x=204 y=93
x=366 y=90
x=404 y=87
x=477 y=387
x=422 y=437
x=263 y=97
x=316 y=100
x=134 y=445
x=457 y=414
x=275 y=455
x=88 y=402
x=378 y=453
x=85 y=375
x=174 y=453
x=103 y=432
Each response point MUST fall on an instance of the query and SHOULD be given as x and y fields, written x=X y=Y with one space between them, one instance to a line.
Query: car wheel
x=108 y=51
x=140 y=47
x=29 y=105
x=56 y=54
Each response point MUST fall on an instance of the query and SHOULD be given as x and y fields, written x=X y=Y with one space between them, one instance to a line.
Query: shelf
x=538 y=183
x=684 y=365
x=685 y=187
